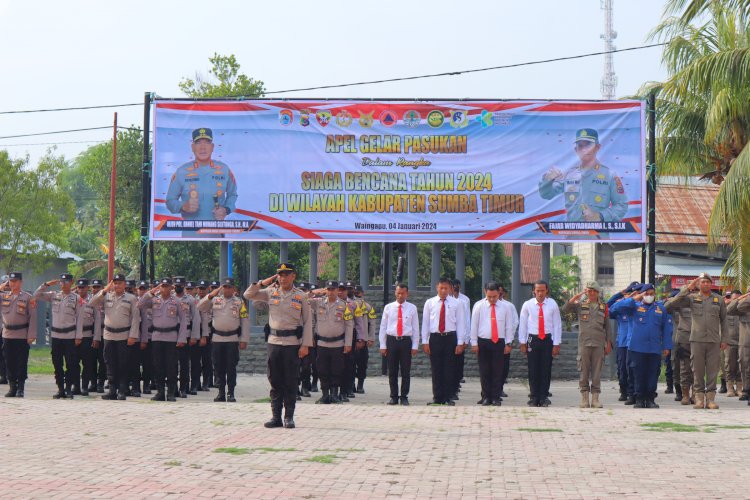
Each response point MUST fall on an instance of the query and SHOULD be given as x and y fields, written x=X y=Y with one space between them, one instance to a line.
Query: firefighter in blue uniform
x=623 y=335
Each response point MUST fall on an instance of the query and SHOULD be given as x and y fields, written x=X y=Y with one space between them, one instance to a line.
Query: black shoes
x=630 y=401
x=305 y=392
x=360 y=388
x=220 y=398
x=723 y=388
x=623 y=397
x=404 y=401
x=193 y=391
x=497 y=402
x=159 y=396
x=289 y=423
x=393 y=401
x=230 y=397
x=274 y=422
x=486 y=402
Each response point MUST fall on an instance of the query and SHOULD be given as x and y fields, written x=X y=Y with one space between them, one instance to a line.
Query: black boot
x=230 y=395
x=677 y=392
x=193 y=390
x=183 y=392
x=393 y=401
x=651 y=404
x=335 y=399
x=630 y=401
x=343 y=395
x=159 y=396
x=12 y=390
x=361 y=387
x=638 y=403
x=19 y=390
x=3 y=379
x=723 y=388
x=85 y=388
x=349 y=392
x=100 y=387
x=92 y=387
x=221 y=396
x=289 y=418
x=171 y=391
x=325 y=399
x=75 y=390
x=670 y=388
x=623 y=397
x=276 y=415
x=60 y=394
x=111 y=394
x=305 y=389
x=135 y=391
x=314 y=386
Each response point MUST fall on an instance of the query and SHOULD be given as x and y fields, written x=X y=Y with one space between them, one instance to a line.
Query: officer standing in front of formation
x=731 y=354
x=740 y=307
x=362 y=355
x=231 y=333
x=539 y=336
x=651 y=339
x=122 y=322
x=682 y=324
x=443 y=333
x=88 y=332
x=289 y=340
x=708 y=335
x=169 y=332
x=207 y=367
x=624 y=324
x=18 y=310
x=97 y=353
x=492 y=332
x=594 y=341
x=399 y=342
x=334 y=328
x=65 y=306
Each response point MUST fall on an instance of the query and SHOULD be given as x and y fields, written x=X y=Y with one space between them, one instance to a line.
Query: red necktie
x=541 y=333
x=441 y=324
x=400 y=324
x=495 y=335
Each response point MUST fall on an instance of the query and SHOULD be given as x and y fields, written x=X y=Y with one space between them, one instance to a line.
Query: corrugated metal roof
x=682 y=212
x=687 y=269
x=531 y=261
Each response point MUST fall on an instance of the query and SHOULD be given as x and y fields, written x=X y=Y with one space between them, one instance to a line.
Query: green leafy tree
x=225 y=81
x=565 y=281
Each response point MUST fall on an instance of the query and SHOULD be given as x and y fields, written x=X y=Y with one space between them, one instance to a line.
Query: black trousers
x=350 y=368
x=207 y=366
x=226 y=356
x=116 y=357
x=16 y=352
x=460 y=360
x=283 y=370
x=88 y=372
x=65 y=362
x=330 y=362
x=443 y=365
x=506 y=368
x=100 y=364
x=135 y=360
x=491 y=367
x=361 y=359
x=147 y=365
x=164 y=355
x=183 y=358
x=195 y=365
x=399 y=360
x=3 y=368
x=306 y=367
x=540 y=366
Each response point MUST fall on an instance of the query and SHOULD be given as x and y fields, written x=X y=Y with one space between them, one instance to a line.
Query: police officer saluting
x=88 y=331
x=65 y=305
x=231 y=332
x=290 y=337
x=192 y=317
x=122 y=321
x=168 y=332
x=334 y=327
x=19 y=331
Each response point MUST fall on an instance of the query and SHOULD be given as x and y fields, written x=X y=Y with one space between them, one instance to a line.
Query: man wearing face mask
x=651 y=338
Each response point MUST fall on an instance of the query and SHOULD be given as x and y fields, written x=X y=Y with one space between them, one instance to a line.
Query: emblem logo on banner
x=435 y=118
x=324 y=117
x=412 y=118
x=286 y=117
x=343 y=118
x=304 y=117
x=459 y=118
x=388 y=118
x=365 y=119
x=485 y=119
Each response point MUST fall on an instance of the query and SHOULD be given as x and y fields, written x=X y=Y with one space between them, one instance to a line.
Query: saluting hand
x=553 y=174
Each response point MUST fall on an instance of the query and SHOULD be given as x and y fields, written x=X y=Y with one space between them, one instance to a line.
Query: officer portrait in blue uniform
x=203 y=189
x=592 y=191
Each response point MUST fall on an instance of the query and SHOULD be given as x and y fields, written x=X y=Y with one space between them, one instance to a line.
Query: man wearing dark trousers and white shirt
x=539 y=335
x=492 y=332
x=399 y=341
x=443 y=333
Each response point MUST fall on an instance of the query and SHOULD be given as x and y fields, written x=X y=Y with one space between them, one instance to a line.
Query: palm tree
x=704 y=113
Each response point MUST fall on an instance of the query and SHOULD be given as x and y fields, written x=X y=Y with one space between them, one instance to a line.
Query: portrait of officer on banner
x=592 y=191
x=202 y=189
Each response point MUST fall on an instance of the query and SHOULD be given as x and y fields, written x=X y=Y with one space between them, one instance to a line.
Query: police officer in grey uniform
x=97 y=352
x=190 y=310
x=122 y=322
x=18 y=310
x=65 y=305
x=592 y=191
x=306 y=363
x=203 y=189
x=709 y=334
x=594 y=341
x=231 y=333
x=334 y=326
x=362 y=356
x=289 y=340
x=87 y=329
x=169 y=332
x=681 y=346
x=740 y=307
x=204 y=346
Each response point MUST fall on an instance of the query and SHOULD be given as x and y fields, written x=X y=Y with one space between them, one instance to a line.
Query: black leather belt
x=117 y=330
x=227 y=334
x=165 y=330
x=332 y=339
x=67 y=329
x=284 y=333
x=89 y=328
x=17 y=327
x=402 y=337
x=444 y=334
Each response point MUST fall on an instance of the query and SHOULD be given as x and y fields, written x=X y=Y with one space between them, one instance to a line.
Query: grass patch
x=538 y=429
x=713 y=427
x=40 y=361
x=232 y=451
x=173 y=463
x=322 y=459
x=670 y=426
x=262 y=400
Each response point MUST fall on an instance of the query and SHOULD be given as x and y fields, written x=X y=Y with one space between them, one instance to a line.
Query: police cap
x=203 y=133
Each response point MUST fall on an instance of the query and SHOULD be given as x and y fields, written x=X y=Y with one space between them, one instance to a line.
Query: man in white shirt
x=459 y=379
x=399 y=340
x=492 y=331
x=514 y=312
x=443 y=333
x=539 y=335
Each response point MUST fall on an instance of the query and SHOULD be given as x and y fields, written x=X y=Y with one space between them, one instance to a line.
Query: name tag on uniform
x=641 y=309
x=657 y=311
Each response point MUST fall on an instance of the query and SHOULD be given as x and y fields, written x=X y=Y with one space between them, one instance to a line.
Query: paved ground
x=89 y=448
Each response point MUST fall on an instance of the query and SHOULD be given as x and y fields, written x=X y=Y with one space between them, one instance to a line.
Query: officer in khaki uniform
x=18 y=310
x=731 y=354
x=709 y=333
x=290 y=338
x=334 y=327
x=594 y=341
x=65 y=306
x=362 y=355
x=231 y=333
x=681 y=351
x=88 y=331
x=192 y=317
x=739 y=307
x=122 y=328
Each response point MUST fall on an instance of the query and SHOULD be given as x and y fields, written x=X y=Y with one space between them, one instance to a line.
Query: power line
x=50 y=143
x=67 y=131
x=103 y=106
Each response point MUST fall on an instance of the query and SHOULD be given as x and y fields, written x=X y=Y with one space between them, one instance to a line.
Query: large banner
x=407 y=171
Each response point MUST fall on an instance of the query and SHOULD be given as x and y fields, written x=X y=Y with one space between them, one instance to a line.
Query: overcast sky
x=82 y=53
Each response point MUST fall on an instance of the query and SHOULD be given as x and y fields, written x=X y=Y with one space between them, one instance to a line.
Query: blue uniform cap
x=587 y=134
x=203 y=133
x=646 y=287
x=635 y=285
